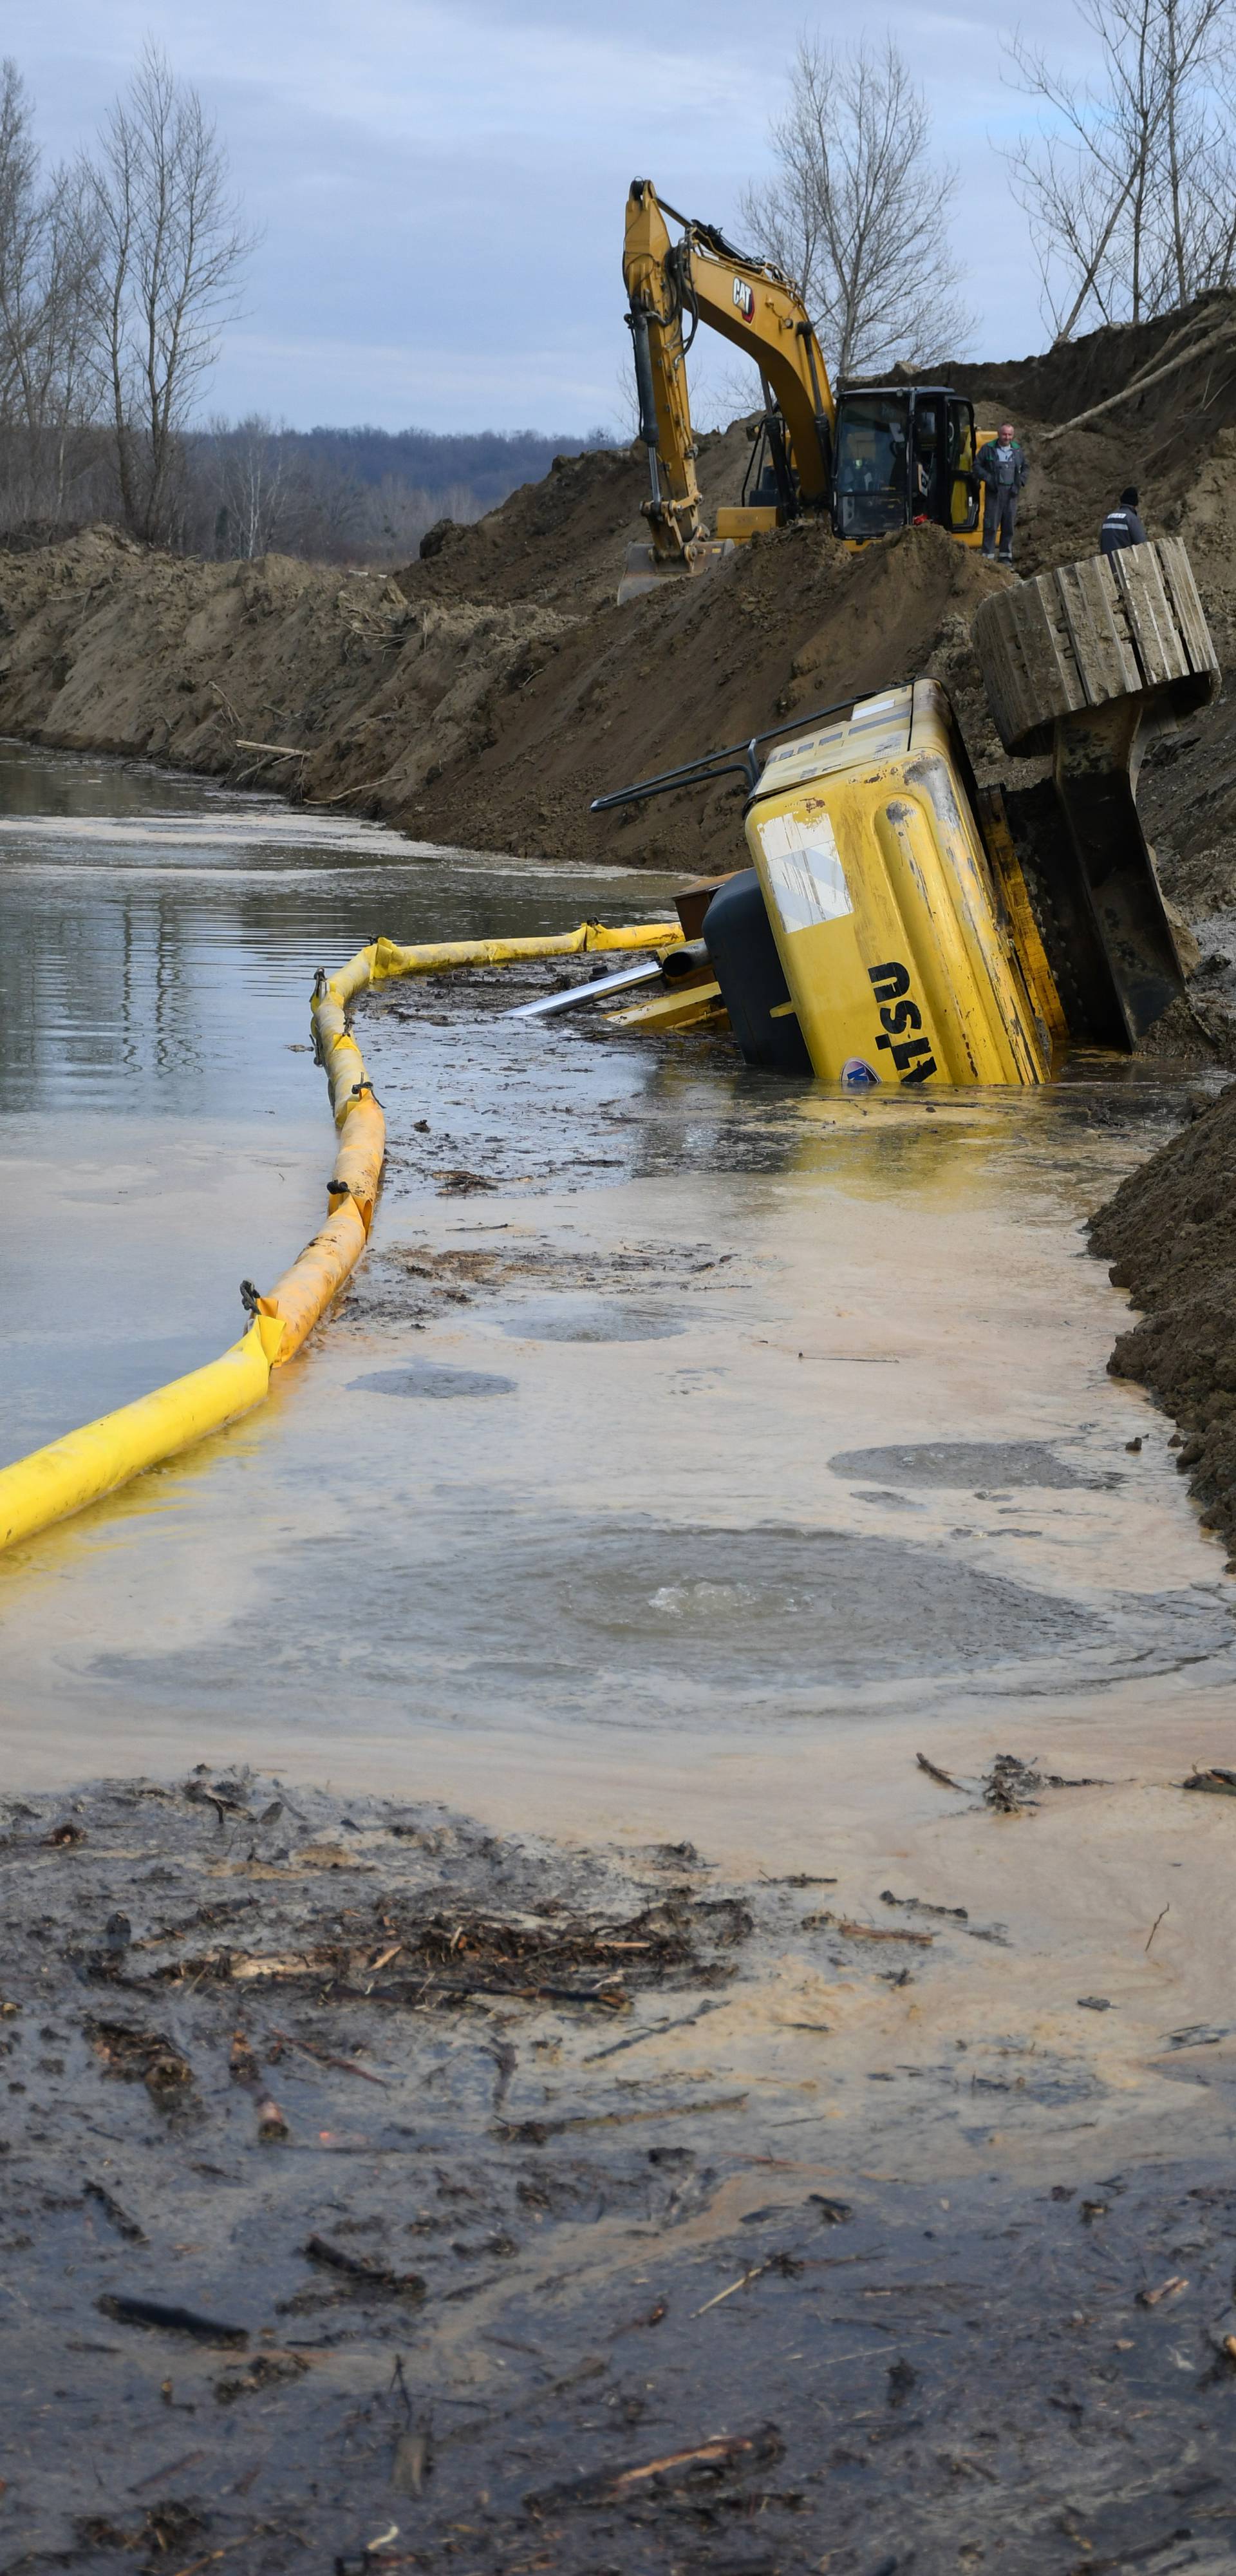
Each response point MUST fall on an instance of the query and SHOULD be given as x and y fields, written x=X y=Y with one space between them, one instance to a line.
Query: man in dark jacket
x=1002 y=471
x=1122 y=527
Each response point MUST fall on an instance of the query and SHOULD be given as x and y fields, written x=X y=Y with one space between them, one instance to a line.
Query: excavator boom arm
x=755 y=307
x=762 y=313
x=651 y=267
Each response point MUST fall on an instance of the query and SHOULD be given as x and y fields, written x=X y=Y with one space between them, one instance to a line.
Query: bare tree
x=248 y=464
x=48 y=337
x=857 y=212
x=173 y=245
x=1128 y=180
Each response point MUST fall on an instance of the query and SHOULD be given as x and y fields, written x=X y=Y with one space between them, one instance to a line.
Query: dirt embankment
x=485 y=694
x=1168 y=1235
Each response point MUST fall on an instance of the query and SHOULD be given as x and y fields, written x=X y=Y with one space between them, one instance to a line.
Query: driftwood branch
x=1225 y=337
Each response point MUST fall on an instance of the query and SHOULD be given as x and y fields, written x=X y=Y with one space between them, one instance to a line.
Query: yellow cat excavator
x=874 y=459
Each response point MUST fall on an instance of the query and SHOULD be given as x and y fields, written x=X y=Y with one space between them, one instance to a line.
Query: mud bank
x=385 y=2188
x=1168 y=1235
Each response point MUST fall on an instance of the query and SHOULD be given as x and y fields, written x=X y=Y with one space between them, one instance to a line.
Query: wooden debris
x=156 y=2313
x=865 y=1931
x=1213 y=1783
x=363 y=2274
x=1169 y=2289
x=934 y=1772
x=721 y=2453
x=346 y=2065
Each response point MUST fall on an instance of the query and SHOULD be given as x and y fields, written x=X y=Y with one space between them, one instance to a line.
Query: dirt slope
x=487 y=692
x=485 y=720
x=488 y=718
x=1168 y=1235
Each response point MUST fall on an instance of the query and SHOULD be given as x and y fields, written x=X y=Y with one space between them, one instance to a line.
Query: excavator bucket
x=646 y=570
x=1089 y=663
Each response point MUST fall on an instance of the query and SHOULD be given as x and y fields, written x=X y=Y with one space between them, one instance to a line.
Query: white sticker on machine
x=805 y=873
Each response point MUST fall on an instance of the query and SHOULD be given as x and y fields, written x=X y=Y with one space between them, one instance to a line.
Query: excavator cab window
x=769 y=481
x=871 y=465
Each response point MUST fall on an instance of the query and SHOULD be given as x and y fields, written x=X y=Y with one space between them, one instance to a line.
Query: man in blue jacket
x=1002 y=471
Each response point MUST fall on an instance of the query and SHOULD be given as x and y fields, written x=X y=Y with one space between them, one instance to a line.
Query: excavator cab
x=903 y=453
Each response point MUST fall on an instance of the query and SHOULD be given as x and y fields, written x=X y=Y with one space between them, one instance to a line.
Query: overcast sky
x=440 y=183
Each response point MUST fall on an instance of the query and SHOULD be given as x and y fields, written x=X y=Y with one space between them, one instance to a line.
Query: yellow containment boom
x=90 y=1463
x=77 y=1470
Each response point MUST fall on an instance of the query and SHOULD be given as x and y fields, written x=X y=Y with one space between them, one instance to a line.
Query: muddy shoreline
x=1167 y=1236
x=383 y=2190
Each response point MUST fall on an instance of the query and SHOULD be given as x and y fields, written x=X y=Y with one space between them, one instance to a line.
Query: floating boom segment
x=88 y=1464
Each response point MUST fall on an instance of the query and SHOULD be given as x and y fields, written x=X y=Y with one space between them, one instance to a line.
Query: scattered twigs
x=121 y=2221
x=753 y=2273
x=227 y=706
x=636 y=2038
x=362 y=2273
x=1010 y=1784
x=534 y=2133
x=919 y=1905
x=723 y=2452
x=208 y=2559
x=1166 y=1909
x=273 y=750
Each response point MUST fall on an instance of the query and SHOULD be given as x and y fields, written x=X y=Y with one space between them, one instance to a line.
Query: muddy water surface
x=767 y=1408
x=691 y=1453
x=690 y=1445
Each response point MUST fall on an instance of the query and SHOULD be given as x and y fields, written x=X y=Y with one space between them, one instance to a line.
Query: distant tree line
x=357 y=495
x=118 y=272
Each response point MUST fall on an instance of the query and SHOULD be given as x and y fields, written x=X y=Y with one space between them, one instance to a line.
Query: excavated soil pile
x=1168 y=1235
x=467 y=716
x=487 y=692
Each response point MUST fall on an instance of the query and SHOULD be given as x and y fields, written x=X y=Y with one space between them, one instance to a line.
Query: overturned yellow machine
x=898 y=925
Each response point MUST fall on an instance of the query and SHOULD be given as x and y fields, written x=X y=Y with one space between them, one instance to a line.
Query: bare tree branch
x=1129 y=180
x=858 y=214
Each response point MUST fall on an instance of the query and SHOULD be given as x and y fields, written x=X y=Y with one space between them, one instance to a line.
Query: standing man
x=1002 y=471
x=1122 y=527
